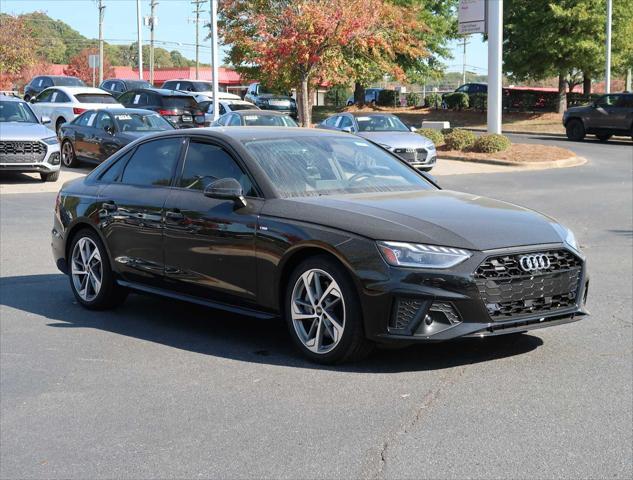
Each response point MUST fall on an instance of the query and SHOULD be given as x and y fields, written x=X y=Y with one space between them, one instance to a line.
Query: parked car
x=610 y=115
x=349 y=244
x=42 y=82
x=255 y=118
x=26 y=145
x=371 y=96
x=201 y=90
x=268 y=99
x=179 y=108
x=117 y=86
x=97 y=134
x=472 y=88
x=63 y=104
x=389 y=132
x=225 y=107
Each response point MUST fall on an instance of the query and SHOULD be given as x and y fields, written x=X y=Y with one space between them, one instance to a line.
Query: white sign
x=93 y=61
x=472 y=16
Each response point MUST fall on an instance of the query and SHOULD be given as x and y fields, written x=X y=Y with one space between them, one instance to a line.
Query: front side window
x=104 y=120
x=153 y=163
x=16 y=112
x=331 y=122
x=45 y=96
x=608 y=100
x=345 y=122
x=234 y=120
x=82 y=120
x=315 y=165
x=380 y=123
x=205 y=163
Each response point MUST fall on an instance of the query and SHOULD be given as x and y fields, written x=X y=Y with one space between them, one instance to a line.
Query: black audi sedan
x=352 y=246
x=97 y=134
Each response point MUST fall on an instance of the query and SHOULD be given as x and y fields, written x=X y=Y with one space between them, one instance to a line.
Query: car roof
x=11 y=98
x=163 y=91
x=253 y=111
x=369 y=114
x=119 y=111
x=78 y=90
x=255 y=133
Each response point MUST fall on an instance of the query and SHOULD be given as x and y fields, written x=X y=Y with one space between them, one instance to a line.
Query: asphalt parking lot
x=159 y=389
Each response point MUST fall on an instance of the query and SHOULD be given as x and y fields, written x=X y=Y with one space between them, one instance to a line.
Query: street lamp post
x=140 y=41
x=495 y=41
x=214 y=56
x=607 y=75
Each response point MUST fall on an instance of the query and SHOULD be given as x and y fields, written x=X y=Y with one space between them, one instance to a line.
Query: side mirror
x=413 y=129
x=348 y=129
x=226 y=189
x=46 y=120
x=32 y=100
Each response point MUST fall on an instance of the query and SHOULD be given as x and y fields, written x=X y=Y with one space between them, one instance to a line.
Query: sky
x=176 y=30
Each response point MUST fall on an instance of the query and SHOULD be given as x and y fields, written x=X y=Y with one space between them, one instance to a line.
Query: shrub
x=413 y=99
x=446 y=131
x=456 y=100
x=386 y=98
x=337 y=95
x=492 y=143
x=433 y=100
x=434 y=135
x=460 y=139
x=478 y=101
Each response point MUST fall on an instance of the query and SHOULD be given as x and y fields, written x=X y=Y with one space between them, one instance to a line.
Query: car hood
x=23 y=131
x=436 y=217
x=397 y=139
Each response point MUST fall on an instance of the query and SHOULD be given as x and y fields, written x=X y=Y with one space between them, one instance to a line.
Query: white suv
x=63 y=104
x=26 y=145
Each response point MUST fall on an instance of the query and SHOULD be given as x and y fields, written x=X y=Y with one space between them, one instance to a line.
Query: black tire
x=575 y=130
x=110 y=294
x=58 y=125
x=353 y=345
x=603 y=137
x=69 y=159
x=50 y=177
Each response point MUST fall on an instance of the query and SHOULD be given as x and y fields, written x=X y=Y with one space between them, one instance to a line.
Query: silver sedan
x=388 y=131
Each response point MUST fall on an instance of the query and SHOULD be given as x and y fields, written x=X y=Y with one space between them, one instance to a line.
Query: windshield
x=68 y=82
x=380 y=123
x=314 y=166
x=16 y=112
x=134 y=84
x=263 y=120
x=95 y=98
x=274 y=91
x=202 y=86
x=139 y=122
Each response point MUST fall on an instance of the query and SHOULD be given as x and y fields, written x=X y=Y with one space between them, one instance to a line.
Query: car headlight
x=50 y=140
x=430 y=146
x=401 y=254
x=567 y=235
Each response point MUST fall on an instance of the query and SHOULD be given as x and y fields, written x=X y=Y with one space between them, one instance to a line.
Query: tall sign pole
x=495 y=41
x=214 y=56
x=101 y=11
x=152 y=24
x=607 y=75
x=140 y=40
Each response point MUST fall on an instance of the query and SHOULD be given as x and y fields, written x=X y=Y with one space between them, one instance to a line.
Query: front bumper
x=51 y=161
x=417 y=305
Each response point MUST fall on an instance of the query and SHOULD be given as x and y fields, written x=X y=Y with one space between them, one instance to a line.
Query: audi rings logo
x=537 y=261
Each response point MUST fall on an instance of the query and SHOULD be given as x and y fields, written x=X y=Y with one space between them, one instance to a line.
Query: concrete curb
x=520 y=132
x=562 y=163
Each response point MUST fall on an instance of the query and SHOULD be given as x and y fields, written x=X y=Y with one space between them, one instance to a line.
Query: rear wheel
x=49 y=177
x=603 y=137
x=575 y=130
x=91 y=278
x=69 y=159
x=323 y=313
x=58 y=125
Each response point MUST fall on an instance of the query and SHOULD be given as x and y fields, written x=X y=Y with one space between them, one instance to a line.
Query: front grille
x=22 y=152
x=411 y=155
x=406 y=311
x=508 y=291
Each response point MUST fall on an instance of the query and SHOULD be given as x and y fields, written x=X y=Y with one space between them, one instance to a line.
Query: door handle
x=174 y=215
x=109 y=206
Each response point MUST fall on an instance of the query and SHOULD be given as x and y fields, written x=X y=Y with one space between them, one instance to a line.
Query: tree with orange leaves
x=298 y=43
x=78 y=66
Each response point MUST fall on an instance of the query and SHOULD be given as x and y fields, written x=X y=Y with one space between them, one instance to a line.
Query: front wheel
x=91 y=278
x=575 y=130
x=323 y=313
x=69 y=159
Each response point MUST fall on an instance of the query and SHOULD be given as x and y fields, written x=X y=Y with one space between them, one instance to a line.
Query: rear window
x=95 y=98
x=239 y=106
x=180 y=102
x=69 y=82
x=268 y=120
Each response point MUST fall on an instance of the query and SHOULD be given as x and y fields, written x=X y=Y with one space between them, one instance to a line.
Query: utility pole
x=464 y=62
x=152 y=22
x=607 y=76
x=198 y=10
x=495 y=41
x=214 y=56
x=140 y=40
x=101 y=12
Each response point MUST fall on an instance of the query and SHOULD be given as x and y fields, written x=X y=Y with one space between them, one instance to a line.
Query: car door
x=43 y=105
x=604 y=113
x=209 y=242
x=104 y=137
x=83 y=127
x=132 y=210
x=62 y=107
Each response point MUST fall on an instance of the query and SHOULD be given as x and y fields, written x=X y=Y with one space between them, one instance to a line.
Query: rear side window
x=153 y=163
x=113 y=172
x=180 y=102
x=206 y=163
x=95 y=98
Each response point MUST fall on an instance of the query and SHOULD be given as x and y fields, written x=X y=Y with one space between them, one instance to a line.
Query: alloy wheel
x=86 y=269
x=67 y=154
x=318 y=311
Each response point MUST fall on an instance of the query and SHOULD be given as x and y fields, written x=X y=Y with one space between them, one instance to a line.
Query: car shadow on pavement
x=212 y=332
